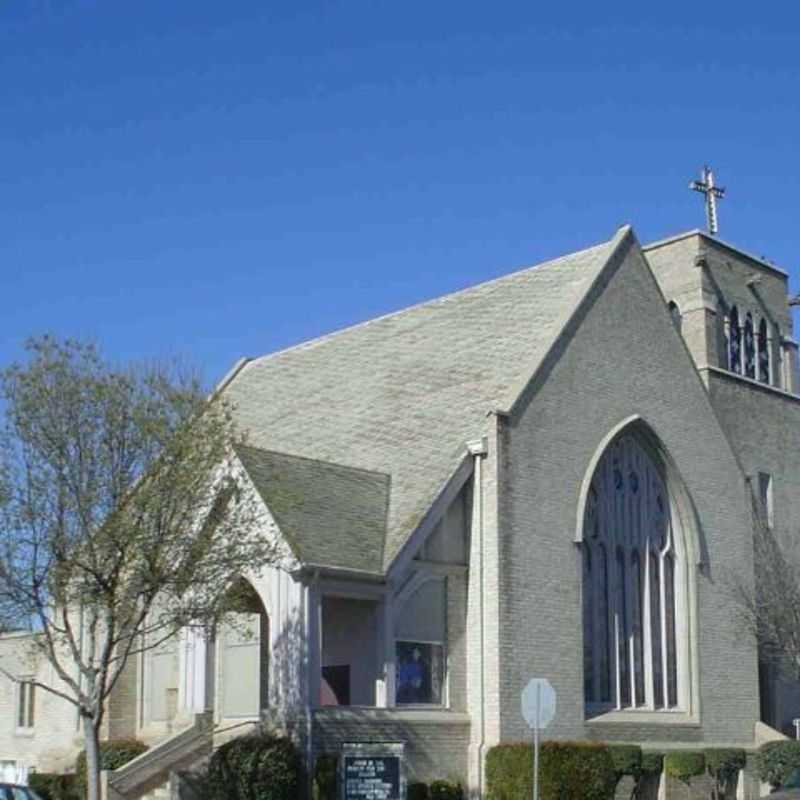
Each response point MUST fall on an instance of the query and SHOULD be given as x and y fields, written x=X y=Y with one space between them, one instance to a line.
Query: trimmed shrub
x=775 y=761
x=418 y=791
x=723 y=765
x=324 y=784
x=259 y=767
x=114 y=753
x=684 y=764
x=627 y=759
x=50 y=786
x=652 y=762
x=567 y=771
x=446 y=790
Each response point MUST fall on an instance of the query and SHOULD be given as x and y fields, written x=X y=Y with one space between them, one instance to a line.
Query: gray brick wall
x=436 y=744
x=625 y=358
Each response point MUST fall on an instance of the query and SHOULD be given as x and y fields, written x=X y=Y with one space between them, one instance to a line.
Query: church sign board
x=372 y=772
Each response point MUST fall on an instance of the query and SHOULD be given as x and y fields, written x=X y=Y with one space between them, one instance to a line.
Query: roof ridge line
x=245 y=363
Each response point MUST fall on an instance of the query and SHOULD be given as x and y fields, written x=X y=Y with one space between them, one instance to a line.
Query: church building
x=552 y=474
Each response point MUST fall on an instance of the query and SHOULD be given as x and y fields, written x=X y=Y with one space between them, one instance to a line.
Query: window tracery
x=630 y=649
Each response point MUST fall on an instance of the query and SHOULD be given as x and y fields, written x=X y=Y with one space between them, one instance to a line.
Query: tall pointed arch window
x=763 y=352
x=735 y=342
x=749 y=347
x=632 y=651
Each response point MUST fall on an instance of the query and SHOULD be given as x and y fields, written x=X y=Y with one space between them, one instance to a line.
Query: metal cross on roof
x=706 y=186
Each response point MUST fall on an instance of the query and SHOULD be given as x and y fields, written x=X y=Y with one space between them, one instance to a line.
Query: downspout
x=478 y=449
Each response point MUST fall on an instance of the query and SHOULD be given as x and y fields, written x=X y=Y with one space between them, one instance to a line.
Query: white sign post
x=796 y=723
x=538 y=709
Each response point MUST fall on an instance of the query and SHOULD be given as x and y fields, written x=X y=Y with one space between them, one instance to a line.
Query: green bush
x=776 y=760
x=50 y=786
x=325 y=780
x=446 y=790
x=652 y=762
x=114 y=753
x=418 y=791
x=627 y=759
x=684 y=764
x=567 y=771
x=723 y=765
x=259 y=767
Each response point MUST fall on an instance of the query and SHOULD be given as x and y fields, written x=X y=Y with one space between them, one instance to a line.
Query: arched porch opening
x=244 y=654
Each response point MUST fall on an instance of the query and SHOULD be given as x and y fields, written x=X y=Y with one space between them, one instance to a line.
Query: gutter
x=314 y=571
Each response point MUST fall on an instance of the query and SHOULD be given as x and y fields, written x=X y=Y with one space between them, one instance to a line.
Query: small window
x=765 y=498
x=420 y=673
x=421 y=631
x=675 y=313
x=26 y=705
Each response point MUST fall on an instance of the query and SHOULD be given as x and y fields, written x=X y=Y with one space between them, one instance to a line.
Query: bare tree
x=122 y=516
x=769 y=606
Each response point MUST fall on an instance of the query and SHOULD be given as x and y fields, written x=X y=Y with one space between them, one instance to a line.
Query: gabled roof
x=401 y=395
x=331 y=515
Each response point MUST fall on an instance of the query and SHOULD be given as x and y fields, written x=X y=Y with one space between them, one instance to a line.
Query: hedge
x=258 y=767
x=418 y=791
x=324 y=783
x=627 y=759
x=567 y=771
x=652 y=763
x=775 y=761
x=114 y=753
x=51 y=786
x=445 y=790
x=684 y=764
x=724 y=763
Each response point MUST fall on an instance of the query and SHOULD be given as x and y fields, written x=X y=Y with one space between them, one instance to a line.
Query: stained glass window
x=763 y=352
x=735 y=342
x=588 y=591
x=420 y=673
x=749 y=347
x=420 y=628
x=630 y=621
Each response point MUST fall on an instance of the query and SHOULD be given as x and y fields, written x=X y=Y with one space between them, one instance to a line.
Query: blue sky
x=216 y=179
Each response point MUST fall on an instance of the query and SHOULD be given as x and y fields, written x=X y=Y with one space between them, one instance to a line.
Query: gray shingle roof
x=332 y=515
x=400 y=395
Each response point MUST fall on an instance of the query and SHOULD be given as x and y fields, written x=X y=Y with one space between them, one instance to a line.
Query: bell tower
x=732 y=308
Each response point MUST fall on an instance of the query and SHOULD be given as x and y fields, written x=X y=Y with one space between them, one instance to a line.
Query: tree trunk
x=92 y=740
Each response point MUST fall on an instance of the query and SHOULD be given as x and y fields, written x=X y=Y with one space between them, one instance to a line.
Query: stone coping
x=737 y=378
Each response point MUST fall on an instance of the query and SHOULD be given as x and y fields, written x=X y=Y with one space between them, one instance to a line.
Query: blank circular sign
x=538 y=695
